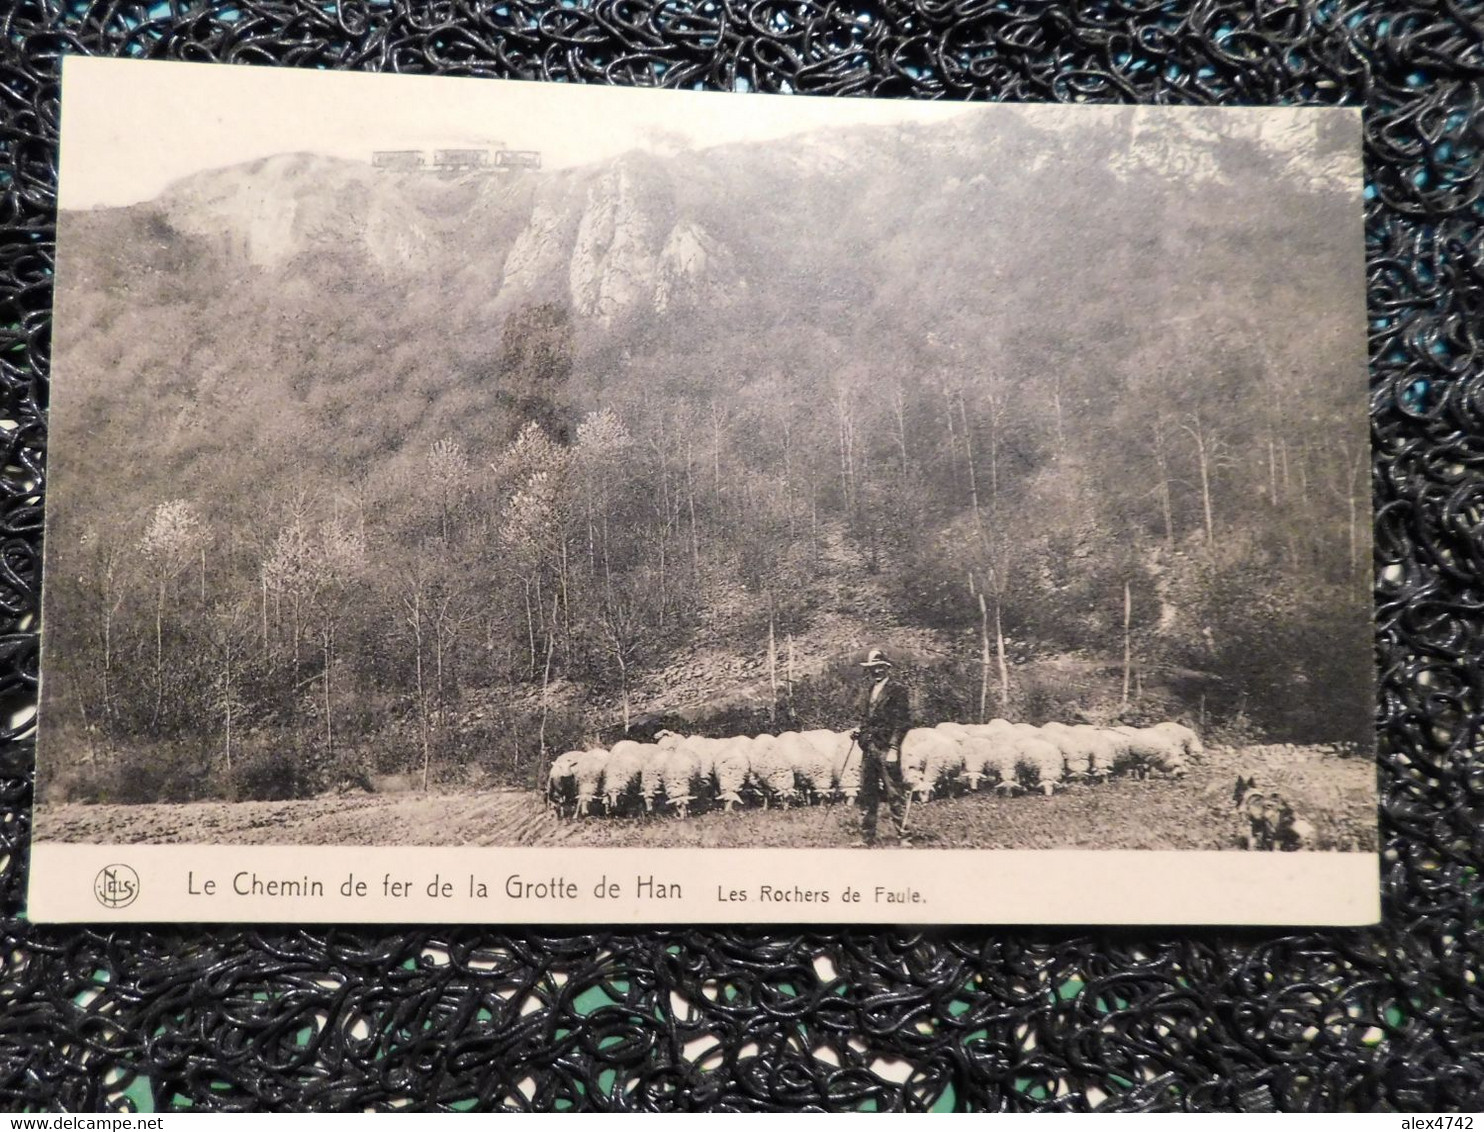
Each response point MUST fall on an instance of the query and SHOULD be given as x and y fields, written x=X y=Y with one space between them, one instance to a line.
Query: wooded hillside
x=355 y=468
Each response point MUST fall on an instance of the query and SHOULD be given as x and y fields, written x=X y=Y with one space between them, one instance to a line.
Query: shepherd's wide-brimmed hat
x=876 y=659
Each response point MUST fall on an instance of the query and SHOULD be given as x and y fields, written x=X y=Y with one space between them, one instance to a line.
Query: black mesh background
x=279 y=1018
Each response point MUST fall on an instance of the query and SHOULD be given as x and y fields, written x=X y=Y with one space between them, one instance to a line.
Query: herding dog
x=1266 y=821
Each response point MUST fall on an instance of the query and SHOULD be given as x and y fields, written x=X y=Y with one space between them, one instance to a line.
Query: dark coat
x=884 y=723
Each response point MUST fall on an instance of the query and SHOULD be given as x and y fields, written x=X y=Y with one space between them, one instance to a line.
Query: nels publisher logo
x=116 y=886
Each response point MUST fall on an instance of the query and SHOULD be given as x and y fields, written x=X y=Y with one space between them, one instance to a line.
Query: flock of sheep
x=685 y=772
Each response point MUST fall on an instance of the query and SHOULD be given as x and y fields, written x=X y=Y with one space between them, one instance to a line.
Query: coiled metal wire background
x=283 y=1018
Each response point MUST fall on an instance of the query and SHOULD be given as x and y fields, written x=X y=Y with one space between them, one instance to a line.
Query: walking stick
x=846 y=764
x=907 y=809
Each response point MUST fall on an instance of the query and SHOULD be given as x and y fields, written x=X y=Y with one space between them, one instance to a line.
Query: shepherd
x=885 y=719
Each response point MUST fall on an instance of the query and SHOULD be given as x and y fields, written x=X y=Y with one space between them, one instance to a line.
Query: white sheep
x=1167 y=752
x=914 y=762
x=1153 y=749
x=731 y=768
x=703 y=748
x=668 y=767
x=959 y=732
x=929 y=758
x=846 y=766
x=589 y=775
x=972 y=746
x=995 y=728
x=987 y=761
x=946 y=764
x=1076 y=751
x=1026 y=731
x=1190 y=743
x=561 y=782
x=651 y=773
x=680 y=773
x=1101 y=749
x=999 y=763
x=702 y=751
x=814 y=763
x=1037 y=763
x=1119 y=753
x=994 y=744
x=961 y=735
x=622 y=773
x=771 y=764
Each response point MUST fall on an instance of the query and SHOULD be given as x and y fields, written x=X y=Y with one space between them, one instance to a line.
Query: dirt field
x=1337 y=795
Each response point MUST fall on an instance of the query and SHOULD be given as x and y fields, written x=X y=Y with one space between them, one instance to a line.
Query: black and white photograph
x=472 y=464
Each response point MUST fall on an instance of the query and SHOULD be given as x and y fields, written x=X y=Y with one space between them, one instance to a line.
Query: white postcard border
x=72 y=883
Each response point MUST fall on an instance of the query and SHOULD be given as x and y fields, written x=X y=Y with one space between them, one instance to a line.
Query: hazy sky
x=131 y=127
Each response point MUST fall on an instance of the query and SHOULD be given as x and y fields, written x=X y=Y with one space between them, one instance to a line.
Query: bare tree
x=603 y=443
x=530 y=531
x=546 y=699
x=1127 y=640
x=624 y=628
x=339 y=558
x=433 y=614
x=109 y=559
x=227 y=632
x=845 y=435
x=772 y=663
x=963 y=412
x=1159 y=447
x=412 y=602
x=315 y=566
x=997 y=570
x=170 y=544
x=994 y=417
x=690 y=502
x=1211 y=454
x=287 y=572
x=448 y=474
x=898 y=397
x=718 y=414
x=983 y=650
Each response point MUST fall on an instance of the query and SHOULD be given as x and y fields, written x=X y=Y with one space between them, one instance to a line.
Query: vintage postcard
x=473 y=501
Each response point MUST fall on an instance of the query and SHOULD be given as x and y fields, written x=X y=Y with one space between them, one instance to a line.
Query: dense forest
x=355 y=470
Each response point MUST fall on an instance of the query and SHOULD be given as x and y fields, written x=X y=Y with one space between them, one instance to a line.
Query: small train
x=500 y=160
